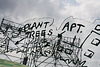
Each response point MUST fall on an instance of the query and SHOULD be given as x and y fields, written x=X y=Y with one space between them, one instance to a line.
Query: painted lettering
x=71 y=27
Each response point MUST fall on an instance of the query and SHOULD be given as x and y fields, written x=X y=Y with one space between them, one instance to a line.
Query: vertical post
x=25 y=60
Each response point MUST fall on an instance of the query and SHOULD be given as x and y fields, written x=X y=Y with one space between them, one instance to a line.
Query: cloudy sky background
x=22 y=10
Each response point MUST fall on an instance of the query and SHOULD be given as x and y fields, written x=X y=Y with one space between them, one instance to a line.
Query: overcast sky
x=22 y=10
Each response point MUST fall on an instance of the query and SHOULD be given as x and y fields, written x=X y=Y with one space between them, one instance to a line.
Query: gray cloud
x=21 y=10
x=7 y=4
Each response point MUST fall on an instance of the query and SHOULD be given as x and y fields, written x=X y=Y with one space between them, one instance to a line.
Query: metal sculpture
x=39 y=51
